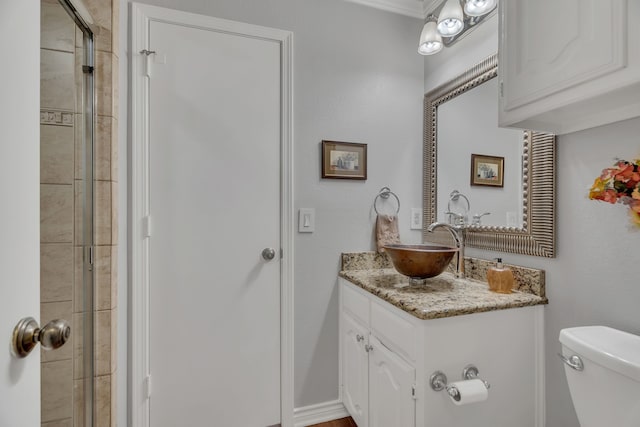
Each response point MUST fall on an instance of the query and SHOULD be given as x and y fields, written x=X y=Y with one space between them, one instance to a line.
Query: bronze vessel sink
x=420 y=261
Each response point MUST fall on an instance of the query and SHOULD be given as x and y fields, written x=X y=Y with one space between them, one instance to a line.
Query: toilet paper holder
x=438 y=381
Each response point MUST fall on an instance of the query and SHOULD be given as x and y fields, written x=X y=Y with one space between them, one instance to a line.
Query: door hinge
x=413 y=392
x=147 y=61
x=501 y=89
x=146 y=227
x=146 y=387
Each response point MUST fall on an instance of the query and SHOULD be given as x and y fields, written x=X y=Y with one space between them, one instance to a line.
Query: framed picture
x=344 y=160
x=487 y=170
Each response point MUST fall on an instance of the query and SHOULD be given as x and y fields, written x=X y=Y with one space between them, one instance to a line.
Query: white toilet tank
x=607 y=391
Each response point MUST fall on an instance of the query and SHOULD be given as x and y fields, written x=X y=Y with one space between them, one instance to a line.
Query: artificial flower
x=620 y=184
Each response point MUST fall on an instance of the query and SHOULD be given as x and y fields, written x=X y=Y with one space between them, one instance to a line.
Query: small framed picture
x=344 y=160
x=487 y=170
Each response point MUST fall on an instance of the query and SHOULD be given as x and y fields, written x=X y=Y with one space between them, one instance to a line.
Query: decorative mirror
x=460 y=130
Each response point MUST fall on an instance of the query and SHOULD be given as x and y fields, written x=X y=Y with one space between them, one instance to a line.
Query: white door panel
x=355 y=370
x=390 y=388
x=20 y=214
x=214 y=193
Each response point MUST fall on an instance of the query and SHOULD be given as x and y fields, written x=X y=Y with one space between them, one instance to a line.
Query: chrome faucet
x=457 y=232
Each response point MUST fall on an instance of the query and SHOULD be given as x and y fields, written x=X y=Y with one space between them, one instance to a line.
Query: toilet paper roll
x=471 y=391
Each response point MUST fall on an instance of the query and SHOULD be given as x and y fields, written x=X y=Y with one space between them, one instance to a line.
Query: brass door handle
x=27 y=334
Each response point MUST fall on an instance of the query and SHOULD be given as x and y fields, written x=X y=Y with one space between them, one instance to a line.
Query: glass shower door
x=66 y=218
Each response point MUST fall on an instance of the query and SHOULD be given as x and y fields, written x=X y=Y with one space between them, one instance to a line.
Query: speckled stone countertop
x=441 y=296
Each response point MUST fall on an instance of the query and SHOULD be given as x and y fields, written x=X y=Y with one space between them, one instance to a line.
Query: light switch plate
x=416 y=219
x=306 y=220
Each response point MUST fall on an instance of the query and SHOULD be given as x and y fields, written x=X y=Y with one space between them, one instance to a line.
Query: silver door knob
x=27 y=334
x=268 y=254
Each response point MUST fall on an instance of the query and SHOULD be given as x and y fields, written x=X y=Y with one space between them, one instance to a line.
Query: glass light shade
x=450 y=21
x=479 y=7
x=430 y=40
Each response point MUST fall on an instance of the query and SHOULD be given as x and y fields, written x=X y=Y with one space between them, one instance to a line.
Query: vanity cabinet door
x=562 y=61
x=355 y=369
x=391 y=388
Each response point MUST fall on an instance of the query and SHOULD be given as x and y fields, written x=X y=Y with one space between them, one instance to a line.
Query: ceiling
x=414 y=8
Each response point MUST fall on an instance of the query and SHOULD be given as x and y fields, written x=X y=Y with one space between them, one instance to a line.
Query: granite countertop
x=441 y=296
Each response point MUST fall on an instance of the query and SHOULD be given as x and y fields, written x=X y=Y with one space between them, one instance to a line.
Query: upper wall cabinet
x=568 y=65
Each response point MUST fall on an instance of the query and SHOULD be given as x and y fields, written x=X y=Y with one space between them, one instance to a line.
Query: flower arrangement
x=620 y=184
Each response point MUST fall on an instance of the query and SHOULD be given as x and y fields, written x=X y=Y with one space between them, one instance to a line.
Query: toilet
x=602 y=366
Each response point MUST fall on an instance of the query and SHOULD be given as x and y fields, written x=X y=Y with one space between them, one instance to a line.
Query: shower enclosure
x=67 y=251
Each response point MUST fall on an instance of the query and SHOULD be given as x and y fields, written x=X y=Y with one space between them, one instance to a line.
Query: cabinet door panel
x=391 y=381
x=580 y=41
x=355 y=367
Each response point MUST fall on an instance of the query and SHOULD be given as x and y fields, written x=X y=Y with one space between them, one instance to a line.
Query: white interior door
x=214 y=194
x=20 y=215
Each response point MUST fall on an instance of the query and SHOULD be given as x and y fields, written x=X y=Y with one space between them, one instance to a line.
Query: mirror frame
x=537 y=235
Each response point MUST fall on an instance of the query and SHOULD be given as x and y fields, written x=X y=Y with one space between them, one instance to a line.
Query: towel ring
x=384 y=193
x=454 y=197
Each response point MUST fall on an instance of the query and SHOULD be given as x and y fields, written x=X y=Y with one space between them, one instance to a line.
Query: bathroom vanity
x=394 y=335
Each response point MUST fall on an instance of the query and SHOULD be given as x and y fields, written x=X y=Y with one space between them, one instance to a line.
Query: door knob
x=27 y=334
x=268 y=254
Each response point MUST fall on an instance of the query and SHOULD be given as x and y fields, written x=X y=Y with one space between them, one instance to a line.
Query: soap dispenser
x=500 y=278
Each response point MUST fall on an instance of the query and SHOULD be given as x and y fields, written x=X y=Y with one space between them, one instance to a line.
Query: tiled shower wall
x=61 y=208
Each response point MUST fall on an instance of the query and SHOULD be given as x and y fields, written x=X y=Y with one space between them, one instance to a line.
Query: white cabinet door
x=355 y=370
x=561 y=59
x=391 y=381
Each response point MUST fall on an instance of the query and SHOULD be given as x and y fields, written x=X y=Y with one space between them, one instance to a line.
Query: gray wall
x=592 y=279
x=358 y=78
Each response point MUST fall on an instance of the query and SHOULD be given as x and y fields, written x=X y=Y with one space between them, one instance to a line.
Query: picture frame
x=344 y=160
x=487 y=170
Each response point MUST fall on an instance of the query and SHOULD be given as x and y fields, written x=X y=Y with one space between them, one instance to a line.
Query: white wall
x=592 y=279
x=358 y=78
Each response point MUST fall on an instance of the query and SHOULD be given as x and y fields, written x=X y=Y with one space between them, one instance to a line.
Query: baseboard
x=319 y=413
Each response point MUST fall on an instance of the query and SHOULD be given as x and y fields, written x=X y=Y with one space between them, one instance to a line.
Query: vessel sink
x=420 y=261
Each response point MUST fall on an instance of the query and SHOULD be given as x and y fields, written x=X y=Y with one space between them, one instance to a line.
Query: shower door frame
x=88 y=205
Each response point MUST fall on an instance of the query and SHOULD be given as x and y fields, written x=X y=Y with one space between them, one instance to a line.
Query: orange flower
x=620 y=183
x=610 y=195
x=626 y=173
x=597 y=189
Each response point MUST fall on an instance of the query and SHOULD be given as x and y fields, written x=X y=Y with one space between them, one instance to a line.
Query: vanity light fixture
x=479 y=7
x=430 y=39
x=450 y=20
x=447 y=23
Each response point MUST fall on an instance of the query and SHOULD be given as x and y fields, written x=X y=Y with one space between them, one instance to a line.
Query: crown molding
x=429 y=6
x=413 y=8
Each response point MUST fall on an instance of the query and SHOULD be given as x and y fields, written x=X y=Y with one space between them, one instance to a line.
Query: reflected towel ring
x=384 y=193
x=454 y=197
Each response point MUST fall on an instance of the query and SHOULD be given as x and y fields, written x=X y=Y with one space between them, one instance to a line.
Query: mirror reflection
x=510 y=188
x=467 y=125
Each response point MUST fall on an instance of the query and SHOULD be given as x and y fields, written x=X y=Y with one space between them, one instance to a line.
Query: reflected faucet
x=457 y=232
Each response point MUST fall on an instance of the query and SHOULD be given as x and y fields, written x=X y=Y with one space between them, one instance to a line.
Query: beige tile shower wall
x=106 y=15
x=57 y=134
x=61 y=209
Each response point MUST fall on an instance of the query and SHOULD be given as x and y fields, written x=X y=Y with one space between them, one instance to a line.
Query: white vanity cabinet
x=387 y=357
x=568 y=65
x=378 y=384
x=355 y=369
